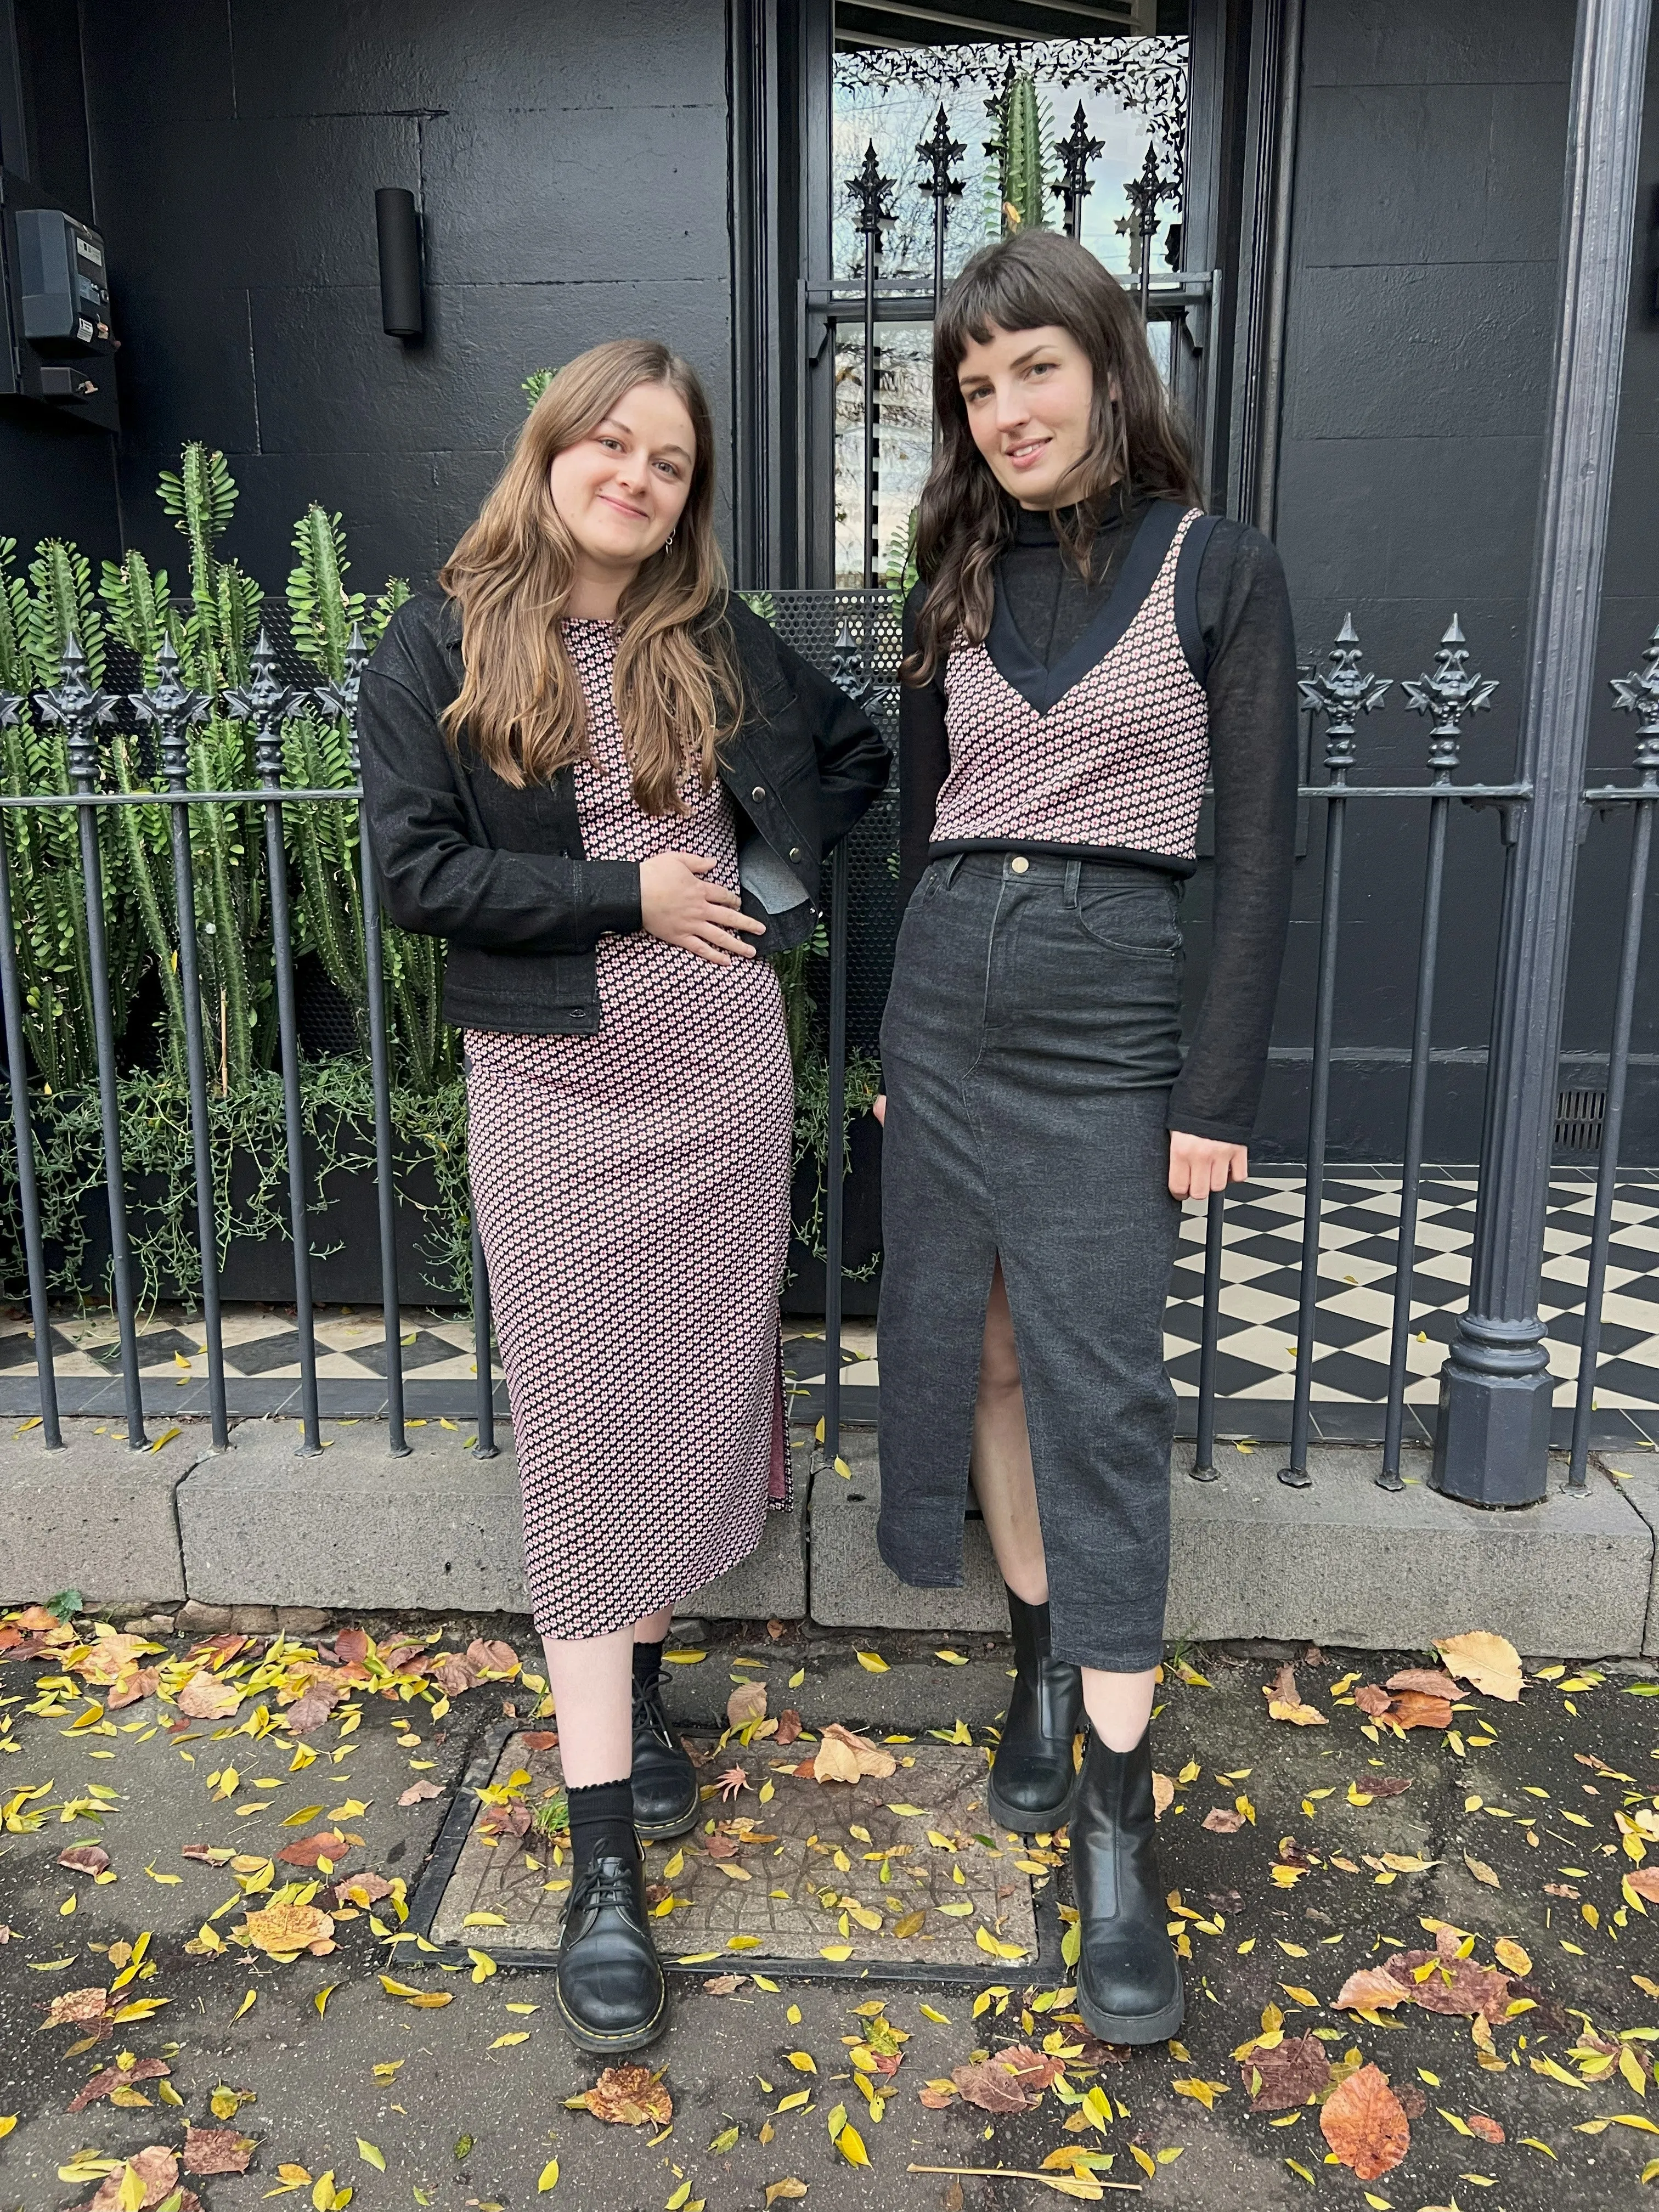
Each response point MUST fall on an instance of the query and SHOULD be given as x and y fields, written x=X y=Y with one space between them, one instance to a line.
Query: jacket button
x=759 y=792
x=795 y=852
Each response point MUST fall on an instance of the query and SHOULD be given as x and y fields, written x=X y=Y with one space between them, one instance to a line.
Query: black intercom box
x=59 y=348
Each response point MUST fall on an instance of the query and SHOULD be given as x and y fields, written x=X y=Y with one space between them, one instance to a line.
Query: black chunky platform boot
x=666 y=1794
x=1128 y=1979
x=610 y=1985
x=1032 y=1782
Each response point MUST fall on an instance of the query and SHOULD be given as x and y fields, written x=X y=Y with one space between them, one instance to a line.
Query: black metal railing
x=853 y=635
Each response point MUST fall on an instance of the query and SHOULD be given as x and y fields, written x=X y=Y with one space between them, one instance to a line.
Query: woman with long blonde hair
x=609 y=785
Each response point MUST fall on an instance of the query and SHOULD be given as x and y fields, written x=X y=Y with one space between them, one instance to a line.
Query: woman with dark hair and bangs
x=608 y=785
x=1086 y=645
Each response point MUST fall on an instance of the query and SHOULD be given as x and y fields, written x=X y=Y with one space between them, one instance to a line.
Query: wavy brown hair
x=1138 y=444
x=677 y=688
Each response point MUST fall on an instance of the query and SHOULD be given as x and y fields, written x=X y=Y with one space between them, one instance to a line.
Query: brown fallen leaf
x=1411 y=1709
x=74 y=2007
x=832 y=1766
x=1162 y=1794
x=322 y=1844
x=453 y=1674
x=628 y=2096
x=1384 y=1785
x=218 y=2150
x=789 y=2187
x=991 y=2085
x=1489 y=2129
x=541 y=1739
x=352 y=1645
x=725 y=1986
x=789 y=1726
x=209 y=1854
x=1289 y=2074
x=1428 y=1681
x=746 y=1703
x=1644 y=1880
x=1564 y=1889
x=1456 y=1985
x=157 y=2169
x=141 y=1683
x=84 y=1859
x=1036 y=2069
x=1363 y=2122
x=1285 y=1702
x=1412 y=2103
x=1491 y=1663
x=116 y=2077
x=361 y=1889
x=936 y=2097
x=1481 y=1871
x=1373 y=1989
x=1373 y=1700
x=1222 y=1820
x=284 y=1930
x=206 y=1698
x=110 y=1657
x=494 y=1660
x=417 y=1792
x=308 y=1712
x=731 y=1782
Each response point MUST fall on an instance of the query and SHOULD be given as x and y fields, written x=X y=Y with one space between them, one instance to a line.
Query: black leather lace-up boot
x=1128 y=1979
x=1032 y=1782
x=610 y=1984
x=665 y=1796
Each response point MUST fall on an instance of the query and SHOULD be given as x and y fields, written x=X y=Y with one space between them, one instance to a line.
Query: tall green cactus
x=1023 y=132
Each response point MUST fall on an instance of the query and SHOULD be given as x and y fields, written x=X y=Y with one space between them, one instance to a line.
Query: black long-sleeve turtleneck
x=1244 y=621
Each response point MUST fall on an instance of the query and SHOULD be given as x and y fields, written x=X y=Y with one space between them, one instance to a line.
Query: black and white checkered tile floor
x=1256 y=1359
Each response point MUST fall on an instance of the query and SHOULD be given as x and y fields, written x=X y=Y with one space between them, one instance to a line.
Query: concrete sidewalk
x=1342 y=1561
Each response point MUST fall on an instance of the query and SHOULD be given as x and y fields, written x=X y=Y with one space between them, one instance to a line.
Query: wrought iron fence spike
x=172 y=706
x=78 y=708
x=1342 y=691
x=1638 y=693
x=1449 y=693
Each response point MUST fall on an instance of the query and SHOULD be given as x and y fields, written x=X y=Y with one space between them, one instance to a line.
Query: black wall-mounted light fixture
x=398 y=229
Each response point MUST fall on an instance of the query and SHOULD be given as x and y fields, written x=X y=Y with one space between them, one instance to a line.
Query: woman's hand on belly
x=678 y=906
x=1199 y=1166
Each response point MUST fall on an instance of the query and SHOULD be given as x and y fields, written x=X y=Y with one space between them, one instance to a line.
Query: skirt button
x=1019 y=864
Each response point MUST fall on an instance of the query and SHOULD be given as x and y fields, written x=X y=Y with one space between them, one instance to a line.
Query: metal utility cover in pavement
x=792 y=1886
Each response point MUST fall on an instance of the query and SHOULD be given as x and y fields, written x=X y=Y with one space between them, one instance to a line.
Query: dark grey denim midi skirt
x=1031 y=1038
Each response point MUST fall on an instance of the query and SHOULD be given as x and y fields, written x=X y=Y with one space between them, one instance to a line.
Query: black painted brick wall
x=571 y=164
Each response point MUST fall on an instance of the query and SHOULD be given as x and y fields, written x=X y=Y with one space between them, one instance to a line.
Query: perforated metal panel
x=854 y=638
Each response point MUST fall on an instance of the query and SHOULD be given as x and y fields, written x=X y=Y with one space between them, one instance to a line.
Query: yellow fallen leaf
x=322 y=1997
x=1203 y=2093
x=371 y=2155
x=872 y=1662
x=802 y=2061
x=246 y=2006
x=685 y=1658
x=1481 y=1871
x=514 y=2035
x=840 y=1950
x=850 y=2143
x=1512 y=1957
x=1491 y=1663
x=547 y=2178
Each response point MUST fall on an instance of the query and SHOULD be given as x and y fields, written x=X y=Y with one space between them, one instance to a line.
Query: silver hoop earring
x=669 y=540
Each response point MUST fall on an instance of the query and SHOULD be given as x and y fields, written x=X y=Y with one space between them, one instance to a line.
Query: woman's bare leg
x=1001 y=1464
x=592 y=1681
x=1118 y=1706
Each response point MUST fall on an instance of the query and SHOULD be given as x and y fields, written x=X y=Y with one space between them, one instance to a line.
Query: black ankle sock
x=647 y=1661
x=602 y=1821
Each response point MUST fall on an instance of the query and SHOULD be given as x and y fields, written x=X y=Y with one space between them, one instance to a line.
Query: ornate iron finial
x=1449 y=693
x=1342 y=692
x=848 y=669
x=1077 y=149
x=872 y=197
x=267 y=704
x=938 y=153
x=341 y=698
x=1638 y=693
x=78 y=708
x=171 y=706
x=1144 y=194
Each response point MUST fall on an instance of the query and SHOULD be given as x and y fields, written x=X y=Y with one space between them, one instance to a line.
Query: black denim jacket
x=500 y=871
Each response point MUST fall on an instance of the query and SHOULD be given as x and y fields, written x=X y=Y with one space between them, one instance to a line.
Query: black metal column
x=1493 y=1442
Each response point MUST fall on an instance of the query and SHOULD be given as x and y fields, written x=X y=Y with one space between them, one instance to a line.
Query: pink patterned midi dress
x=632 y=1192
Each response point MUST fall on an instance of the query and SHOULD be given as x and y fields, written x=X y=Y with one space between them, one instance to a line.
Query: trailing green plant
x=900 y=572
x=535 y=384
x=250 y=1165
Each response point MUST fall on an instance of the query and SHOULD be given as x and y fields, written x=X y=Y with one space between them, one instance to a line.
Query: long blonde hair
x=677 y=685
